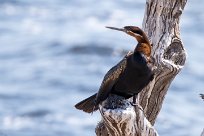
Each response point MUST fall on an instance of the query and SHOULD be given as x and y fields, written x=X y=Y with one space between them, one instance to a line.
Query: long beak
x=119 y=29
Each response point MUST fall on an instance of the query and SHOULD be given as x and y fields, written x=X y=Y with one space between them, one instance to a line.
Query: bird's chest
x=134 y=78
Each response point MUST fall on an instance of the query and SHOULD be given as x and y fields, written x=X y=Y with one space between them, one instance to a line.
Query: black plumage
x=128 y=77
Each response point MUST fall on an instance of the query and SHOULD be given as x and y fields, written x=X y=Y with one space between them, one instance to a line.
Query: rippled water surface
x=55 y=53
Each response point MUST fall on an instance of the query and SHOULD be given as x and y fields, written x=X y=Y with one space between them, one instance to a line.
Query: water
x=55 y=53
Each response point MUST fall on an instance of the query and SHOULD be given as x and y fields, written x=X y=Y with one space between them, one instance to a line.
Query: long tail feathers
x=88 y=105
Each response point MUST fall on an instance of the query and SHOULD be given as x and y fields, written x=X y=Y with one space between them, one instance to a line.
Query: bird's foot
x=133 y=104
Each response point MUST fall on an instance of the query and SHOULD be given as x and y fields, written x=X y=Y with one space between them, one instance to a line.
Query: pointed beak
x=127 y=31
x=118 y=29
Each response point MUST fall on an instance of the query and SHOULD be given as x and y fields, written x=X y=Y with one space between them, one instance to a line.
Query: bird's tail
x=88 y=105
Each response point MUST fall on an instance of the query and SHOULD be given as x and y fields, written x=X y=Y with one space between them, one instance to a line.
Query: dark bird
x=128 y=77
x=202 y=96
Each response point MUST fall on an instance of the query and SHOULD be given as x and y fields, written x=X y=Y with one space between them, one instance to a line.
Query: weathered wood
x=161 y=24
x=120 y=118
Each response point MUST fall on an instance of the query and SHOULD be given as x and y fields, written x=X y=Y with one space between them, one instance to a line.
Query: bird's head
x=143 y=42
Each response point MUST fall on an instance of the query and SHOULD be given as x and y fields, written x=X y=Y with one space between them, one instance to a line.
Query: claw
x=133 y=104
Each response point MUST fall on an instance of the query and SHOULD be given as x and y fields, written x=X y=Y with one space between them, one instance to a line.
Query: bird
x=128 y=77
x=202 y=96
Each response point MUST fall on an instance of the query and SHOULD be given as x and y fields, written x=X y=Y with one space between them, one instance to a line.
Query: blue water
x=55 y=53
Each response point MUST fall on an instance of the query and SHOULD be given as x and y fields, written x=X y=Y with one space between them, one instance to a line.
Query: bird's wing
x=111 y=78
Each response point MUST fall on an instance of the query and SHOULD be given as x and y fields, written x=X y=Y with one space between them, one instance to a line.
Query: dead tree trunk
x=161 y=24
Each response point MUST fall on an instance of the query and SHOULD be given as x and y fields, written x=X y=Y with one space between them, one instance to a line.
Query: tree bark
x=161 y=24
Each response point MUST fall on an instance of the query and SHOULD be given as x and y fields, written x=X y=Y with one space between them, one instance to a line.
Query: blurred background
x=54 y=53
